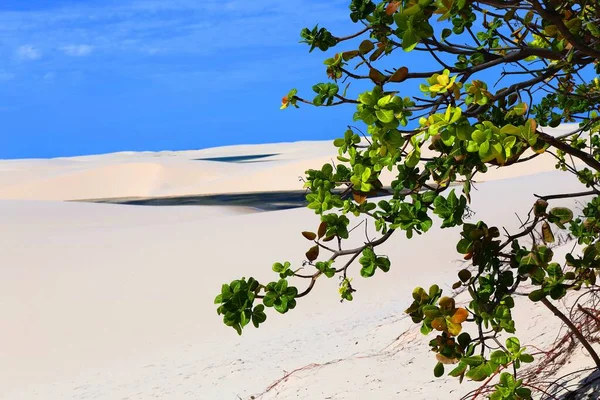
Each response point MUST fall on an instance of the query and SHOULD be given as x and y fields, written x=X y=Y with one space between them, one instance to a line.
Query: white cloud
x=183 y=31
x=28 y=52
x=153 y=50
x=174 y=26
x=77 y=50
x=6 y=76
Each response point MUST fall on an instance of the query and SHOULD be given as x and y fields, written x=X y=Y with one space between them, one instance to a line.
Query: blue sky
x=97 y=76
x=86 y=77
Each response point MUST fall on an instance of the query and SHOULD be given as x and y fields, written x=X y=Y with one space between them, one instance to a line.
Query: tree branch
x=355 y=253
x=567 y=195
x=551 y=15
x=585 y=157
x=573 y=329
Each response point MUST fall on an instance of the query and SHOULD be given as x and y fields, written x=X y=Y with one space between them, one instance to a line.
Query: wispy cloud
x=182 y=26
x=77 y=50
x=6 y=76
x=28 y=53
x=173 y=67
x=179 y=35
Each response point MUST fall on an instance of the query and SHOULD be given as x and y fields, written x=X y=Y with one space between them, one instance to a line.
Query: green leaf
x=446 y=33
x=431 y=312
x=523 y=393
x=426 y=224
x=555 y=271
x=237 y=328
x=526 y=358
x=520 y=109
x=528 y=262
x=513 y=344
x=434 y=290
x=367 y=98
x=291 y=292
x=429 y=197
x=366 y=175
x=479 y=373
x=479 y=136
x=529 y=131
x=278 y=267
x=383 y=263
x=282 y=305
x=281 y=286
x=484 y=150
x=558 y=292
x=544 y=254
x=409 y=40
x=500 y=357
x=413 y=158
x=510 y=130
x=339 y=142
x=367 y=271
x=464 y=339
x=438 y=370
x=244 y=319
x=459 y=370
x=425 y=329
x=464 y=246
x=563 y=214
x=269 y=299
x=473 y=361
x=258 y=318
x=414 y=9
x=385 y=116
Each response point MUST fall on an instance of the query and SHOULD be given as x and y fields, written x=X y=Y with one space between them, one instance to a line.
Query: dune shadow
x=266 y=201
x=239 y=159
x=586 y=387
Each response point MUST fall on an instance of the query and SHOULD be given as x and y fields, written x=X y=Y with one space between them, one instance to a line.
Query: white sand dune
x=161 y=174
x=104 y=301
x=181 y=173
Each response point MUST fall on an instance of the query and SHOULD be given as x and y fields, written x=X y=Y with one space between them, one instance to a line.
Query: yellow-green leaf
x=547 y=234
x=453 y=329
x=510 y=130
x=520 y=109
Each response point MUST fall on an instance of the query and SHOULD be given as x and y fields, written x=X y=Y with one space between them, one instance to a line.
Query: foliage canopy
x=546 y=53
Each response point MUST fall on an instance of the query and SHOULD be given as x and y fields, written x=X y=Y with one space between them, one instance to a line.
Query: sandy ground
x=103 y=301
